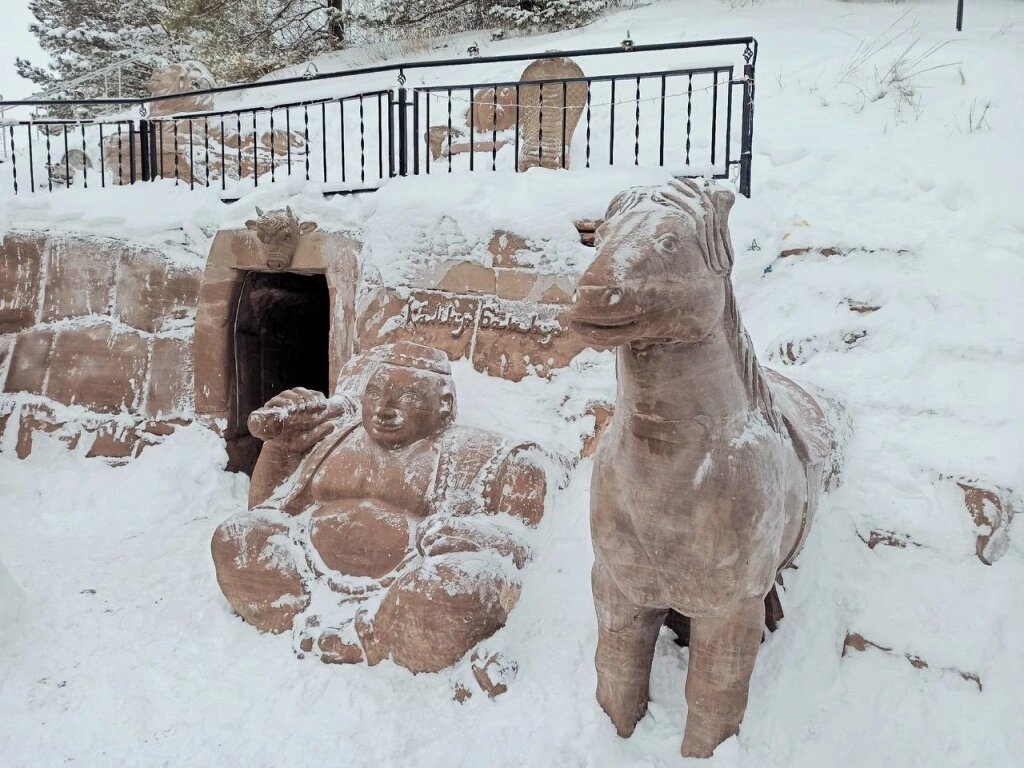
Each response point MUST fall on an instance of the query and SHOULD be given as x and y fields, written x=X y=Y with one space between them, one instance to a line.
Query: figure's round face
x=402 y=405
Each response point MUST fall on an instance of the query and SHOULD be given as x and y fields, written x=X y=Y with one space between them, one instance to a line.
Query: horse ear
x=251 y=224
x=307 y=226
x=259 y=211
x=621 y=201
x=723 y=200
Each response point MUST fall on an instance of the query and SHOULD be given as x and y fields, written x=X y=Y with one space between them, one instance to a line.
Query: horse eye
x=668 y=243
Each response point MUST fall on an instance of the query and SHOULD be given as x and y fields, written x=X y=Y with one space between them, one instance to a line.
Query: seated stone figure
x=377 y=527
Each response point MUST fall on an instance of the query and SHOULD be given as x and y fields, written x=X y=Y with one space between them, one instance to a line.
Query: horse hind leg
x=626 y=636
x=722 y=655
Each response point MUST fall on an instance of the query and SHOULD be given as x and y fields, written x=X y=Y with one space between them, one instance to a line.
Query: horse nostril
x=613 y=296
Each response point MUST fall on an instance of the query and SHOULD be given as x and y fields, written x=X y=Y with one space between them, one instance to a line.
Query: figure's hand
x=465 y=534
x=294 y=420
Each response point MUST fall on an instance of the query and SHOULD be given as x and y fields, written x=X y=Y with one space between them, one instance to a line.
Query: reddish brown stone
x=19 y=280
x=468 y=277
x=861 y=307
x=555 y=294
x=114 y=441
x=79 y=278
x=462 y=694
x=514 y=283
x=493 y=672
x=856 y=642
x=150 y=292
x=98 y=367
x=503 y=248
x=334 y=650
x=991 y=511
x=878 y=537
x=30 y=361
x=517 y=337
x=170 y=378
x=40 y=418
x=432 y=318
x=602 y=413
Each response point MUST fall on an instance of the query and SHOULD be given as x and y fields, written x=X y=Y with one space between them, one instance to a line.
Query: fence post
x=747 y=129
x=144 y=156
x=403 y=132
x=131 y=151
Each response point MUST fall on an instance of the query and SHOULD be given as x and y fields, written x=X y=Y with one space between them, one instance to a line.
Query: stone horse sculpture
x=705 y=483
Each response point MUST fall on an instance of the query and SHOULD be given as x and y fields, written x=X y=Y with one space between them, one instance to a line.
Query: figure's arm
x=290 y=425
x=442 y=535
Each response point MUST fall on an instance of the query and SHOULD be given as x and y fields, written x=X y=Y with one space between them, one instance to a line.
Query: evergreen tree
x=82 y=38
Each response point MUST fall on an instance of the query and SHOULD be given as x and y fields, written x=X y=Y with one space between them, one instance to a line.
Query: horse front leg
x=722 y=654
x=626 y=636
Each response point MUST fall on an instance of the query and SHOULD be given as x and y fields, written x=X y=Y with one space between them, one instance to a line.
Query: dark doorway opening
x=282 y=333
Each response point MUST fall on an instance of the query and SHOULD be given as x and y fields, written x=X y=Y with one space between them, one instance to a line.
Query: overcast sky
x=15 y=40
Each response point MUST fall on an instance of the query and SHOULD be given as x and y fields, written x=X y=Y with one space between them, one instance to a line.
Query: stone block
x=170 y=378
x=517 y=337
x=79 y=278
x=514 y=283
x=151 y=293
x=114 y=441
x=98 y=367
x=991 y=511
x=30 y=361
x=468 y=277
x=19 y=280
x=40 y=418
x=432 y=318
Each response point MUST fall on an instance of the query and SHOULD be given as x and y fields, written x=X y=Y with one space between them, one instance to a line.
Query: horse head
x=662 y=266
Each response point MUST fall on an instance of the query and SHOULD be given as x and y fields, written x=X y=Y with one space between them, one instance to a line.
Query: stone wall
x=95 y=341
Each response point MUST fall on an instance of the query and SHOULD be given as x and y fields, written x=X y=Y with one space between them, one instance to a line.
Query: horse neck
x=675 y=381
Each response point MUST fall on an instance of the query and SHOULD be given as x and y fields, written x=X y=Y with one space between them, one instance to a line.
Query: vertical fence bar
x=177 y=173
x=747 y=134
x=120 y=163
x=403 y=130
x=636 y=134
x=449 y=130
x=714 y=116
x=589 y=90
x=103 y=173
x=516 y=147
x=380 y=134
x=256 y=157
x=67 y=160
x=428 y=158
x=661 y=130
x=416 y=133
x=494 y=128
x=323 y=136
x=689 y=113
x=14 y=161
x=540 y=126
x=273 y=164
x=143 y=149
x=305 y=134
x=131 y=150
x=154 y=173
x=31 y=162
x=391 y=138
x=611 y=128
x=960 y=16
x=206 y=148
x=288 y=130
x=191 y=155
x=341 y=120
x=362 y=142
x=49 y=159
x=565 y=111
x=85 y=158
x=223 y=164
x=728 y=123
x=472 y=127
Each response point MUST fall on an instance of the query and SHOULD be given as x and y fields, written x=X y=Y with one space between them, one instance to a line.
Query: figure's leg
x=256 y=569
x=626 y=636
x=432 y=615
x=722 y=655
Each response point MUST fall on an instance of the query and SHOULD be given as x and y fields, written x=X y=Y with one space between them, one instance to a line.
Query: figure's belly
x=360 y=537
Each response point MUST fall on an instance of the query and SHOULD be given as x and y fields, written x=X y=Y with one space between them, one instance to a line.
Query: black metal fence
x=696 y=120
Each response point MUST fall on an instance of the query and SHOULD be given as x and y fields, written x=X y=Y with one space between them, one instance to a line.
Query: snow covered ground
x=123 y=652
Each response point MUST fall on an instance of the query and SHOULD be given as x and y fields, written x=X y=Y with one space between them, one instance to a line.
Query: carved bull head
x=279 y=232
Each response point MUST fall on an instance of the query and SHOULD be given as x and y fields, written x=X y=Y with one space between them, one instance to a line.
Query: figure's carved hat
x=406 y=354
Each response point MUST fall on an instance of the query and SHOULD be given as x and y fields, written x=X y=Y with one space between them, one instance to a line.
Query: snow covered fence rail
x=568 y=109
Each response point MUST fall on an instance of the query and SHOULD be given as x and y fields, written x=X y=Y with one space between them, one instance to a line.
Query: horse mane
x=707 y=206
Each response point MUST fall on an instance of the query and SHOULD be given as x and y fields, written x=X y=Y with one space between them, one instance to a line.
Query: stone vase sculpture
x=706 y=481
x=377 y=527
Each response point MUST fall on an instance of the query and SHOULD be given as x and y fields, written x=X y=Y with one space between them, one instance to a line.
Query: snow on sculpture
x=378 y=528
x=706 y=481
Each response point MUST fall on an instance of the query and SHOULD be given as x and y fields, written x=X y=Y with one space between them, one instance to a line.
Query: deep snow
x=124 y=652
